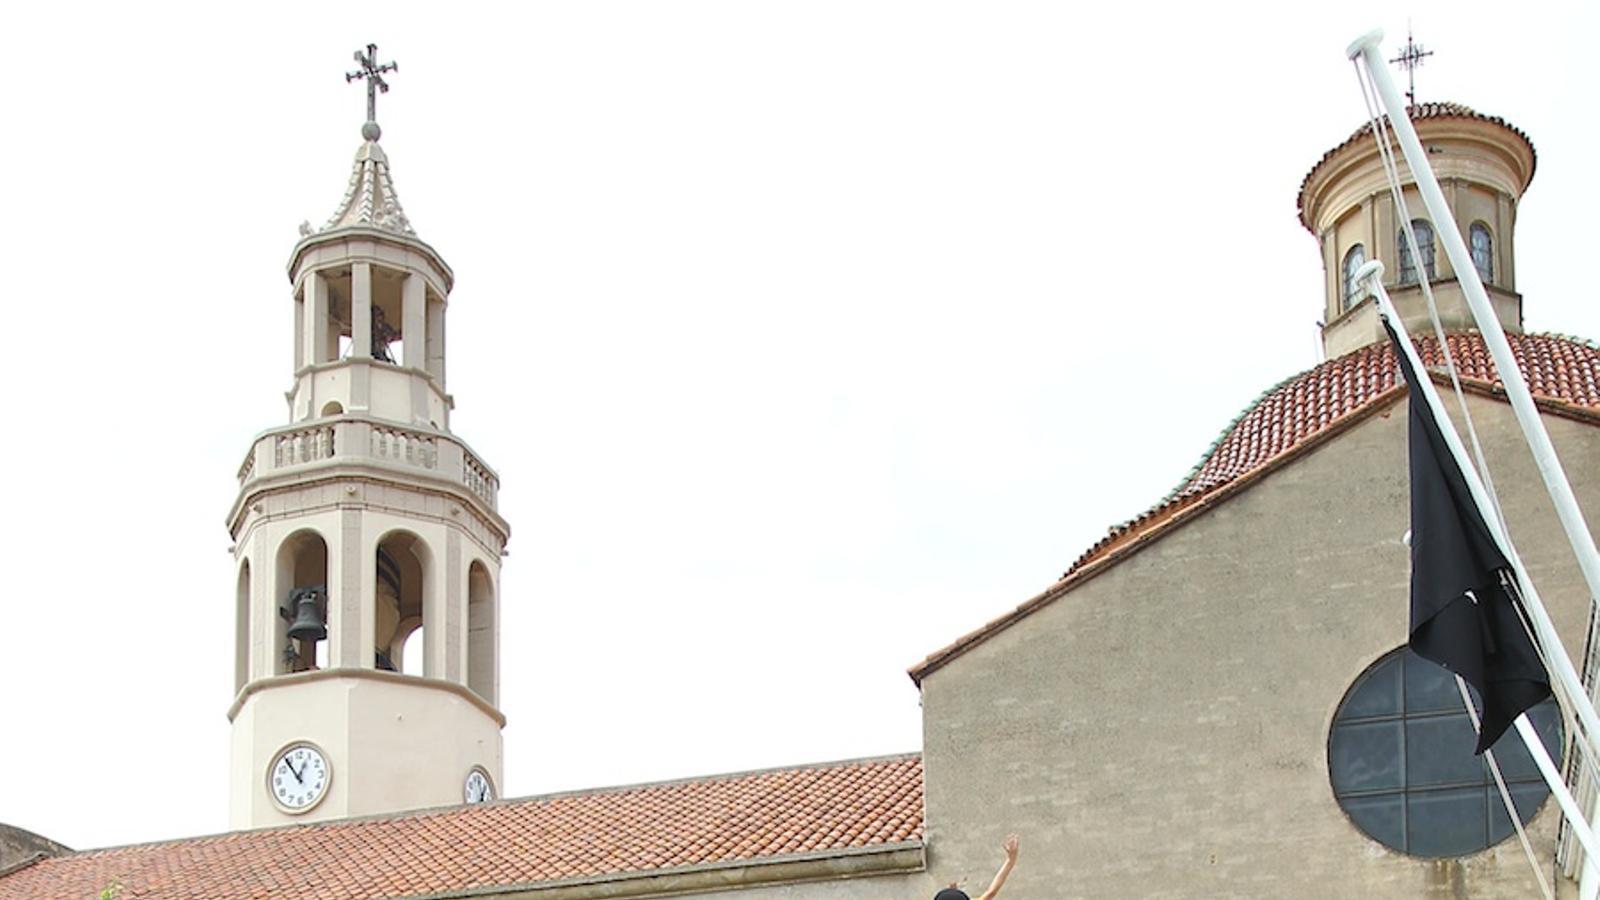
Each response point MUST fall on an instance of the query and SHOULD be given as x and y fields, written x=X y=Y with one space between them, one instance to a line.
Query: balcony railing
x=348 y=439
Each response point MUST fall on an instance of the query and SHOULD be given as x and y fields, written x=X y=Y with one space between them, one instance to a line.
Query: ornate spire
x=370 y=200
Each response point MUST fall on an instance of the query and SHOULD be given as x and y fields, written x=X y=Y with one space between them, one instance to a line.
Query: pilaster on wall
x=454 y=608
x=354 y=606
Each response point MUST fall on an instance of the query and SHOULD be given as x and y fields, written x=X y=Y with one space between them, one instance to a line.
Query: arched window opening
x=1423 y=232
x=402 y=592
x=241 y=629
x=332 y=408
x=1483 y=251
x=481 y=662
x=1353 y=261
x=302 y=615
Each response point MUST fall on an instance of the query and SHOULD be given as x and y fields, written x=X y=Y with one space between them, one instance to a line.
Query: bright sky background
x=806 y=337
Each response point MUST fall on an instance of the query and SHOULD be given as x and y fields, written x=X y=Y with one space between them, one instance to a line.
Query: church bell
x=307 y=606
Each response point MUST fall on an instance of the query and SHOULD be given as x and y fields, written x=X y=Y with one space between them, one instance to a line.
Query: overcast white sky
x=806 y=337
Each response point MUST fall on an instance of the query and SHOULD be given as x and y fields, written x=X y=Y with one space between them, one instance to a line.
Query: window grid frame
x=1408 y=269
x=1403 y=658
x=1485 y=264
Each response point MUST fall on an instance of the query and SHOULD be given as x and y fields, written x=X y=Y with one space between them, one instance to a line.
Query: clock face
x=477 y=788
x=298 y=778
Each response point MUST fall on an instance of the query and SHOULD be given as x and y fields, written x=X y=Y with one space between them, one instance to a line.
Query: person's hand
x=1010 y=847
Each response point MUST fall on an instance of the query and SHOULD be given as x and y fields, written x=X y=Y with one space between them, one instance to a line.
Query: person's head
x=951 y=893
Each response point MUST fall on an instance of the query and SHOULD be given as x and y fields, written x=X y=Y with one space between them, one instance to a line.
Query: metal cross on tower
x=1408 y=59
x=373 y=73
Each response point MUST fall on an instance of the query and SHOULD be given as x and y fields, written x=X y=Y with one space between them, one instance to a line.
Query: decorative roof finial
x=1408 y=59
x=372 y=71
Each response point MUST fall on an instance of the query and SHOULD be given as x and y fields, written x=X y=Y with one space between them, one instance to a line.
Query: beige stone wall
x=1162 y=730
x=381 y=735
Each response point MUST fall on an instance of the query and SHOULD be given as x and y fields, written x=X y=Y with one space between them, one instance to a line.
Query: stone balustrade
x=302 y=445
x=353 y=440
x=409 y=447
x=480 y=479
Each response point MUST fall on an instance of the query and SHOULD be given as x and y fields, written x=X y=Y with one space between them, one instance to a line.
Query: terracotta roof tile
x=1562 y=373
x=632 y=830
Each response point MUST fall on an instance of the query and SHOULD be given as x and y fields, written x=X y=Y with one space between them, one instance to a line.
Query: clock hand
x=292 y=771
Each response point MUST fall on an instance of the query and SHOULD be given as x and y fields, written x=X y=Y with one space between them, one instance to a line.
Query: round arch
x=241 y=627
x=405 y=595
x=301 y=562
x=483 y=632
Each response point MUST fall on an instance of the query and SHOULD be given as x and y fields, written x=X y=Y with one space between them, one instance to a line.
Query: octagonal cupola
x=369 y=300
x=1483 y=164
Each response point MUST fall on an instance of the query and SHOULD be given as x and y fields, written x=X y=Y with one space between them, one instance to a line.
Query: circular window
x=1400 y=759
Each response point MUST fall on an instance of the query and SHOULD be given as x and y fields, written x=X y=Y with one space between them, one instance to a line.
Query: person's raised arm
x=1005 y=869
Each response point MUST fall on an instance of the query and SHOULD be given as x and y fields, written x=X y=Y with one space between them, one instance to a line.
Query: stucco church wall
x=19 y=844
x=1162 y=729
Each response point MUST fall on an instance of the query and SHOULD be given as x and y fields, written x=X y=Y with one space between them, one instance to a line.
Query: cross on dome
x=1409 y=59
x=372 y=72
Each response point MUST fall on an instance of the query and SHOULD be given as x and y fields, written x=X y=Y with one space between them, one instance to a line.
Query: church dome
x=1297 y=414
x=1483 y=165
x=1430 y=119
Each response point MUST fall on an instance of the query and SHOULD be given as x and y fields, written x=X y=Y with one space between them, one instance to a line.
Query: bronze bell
x=307 y=605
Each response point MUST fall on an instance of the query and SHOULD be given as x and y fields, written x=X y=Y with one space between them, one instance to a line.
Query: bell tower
x=366 y=539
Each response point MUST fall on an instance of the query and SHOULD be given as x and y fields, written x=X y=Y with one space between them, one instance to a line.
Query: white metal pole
x=1555 y=652
x=1372 y=275
x=1558 y=787
x=1494 y=337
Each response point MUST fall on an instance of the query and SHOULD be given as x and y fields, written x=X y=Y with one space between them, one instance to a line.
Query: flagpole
x=1494 y=337
x=1371 y=275
x=1555 y=651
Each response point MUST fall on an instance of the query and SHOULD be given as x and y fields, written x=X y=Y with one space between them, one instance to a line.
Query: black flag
x=1464 y=612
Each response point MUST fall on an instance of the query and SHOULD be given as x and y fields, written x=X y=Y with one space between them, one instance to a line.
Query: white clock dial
x=298 y=778
x=477 y=788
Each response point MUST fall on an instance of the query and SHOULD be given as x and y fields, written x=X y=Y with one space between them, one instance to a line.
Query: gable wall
x=1161 y=730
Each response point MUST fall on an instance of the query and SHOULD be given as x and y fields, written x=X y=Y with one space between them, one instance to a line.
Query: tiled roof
x=726 y=820
x=1418 y=112
x=1562 y=372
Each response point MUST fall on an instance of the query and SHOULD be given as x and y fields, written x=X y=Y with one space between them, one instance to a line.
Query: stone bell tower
x=366 y=539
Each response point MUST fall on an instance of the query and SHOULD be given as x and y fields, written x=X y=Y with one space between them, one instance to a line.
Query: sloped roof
x=1418 y=112
x=724 y=820
x=370 y=200
x=1295 y=415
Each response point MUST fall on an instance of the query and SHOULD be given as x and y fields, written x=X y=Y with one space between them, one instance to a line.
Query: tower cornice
x=1445 y=123
x=350 y=234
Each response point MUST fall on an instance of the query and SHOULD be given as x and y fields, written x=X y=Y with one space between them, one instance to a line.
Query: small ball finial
x=371 y=131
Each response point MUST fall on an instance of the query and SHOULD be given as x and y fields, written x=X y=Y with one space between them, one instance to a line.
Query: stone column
x=435 y=341
x=413 y=324
x=361 y=310
x=315 y=329
x=300 y=345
